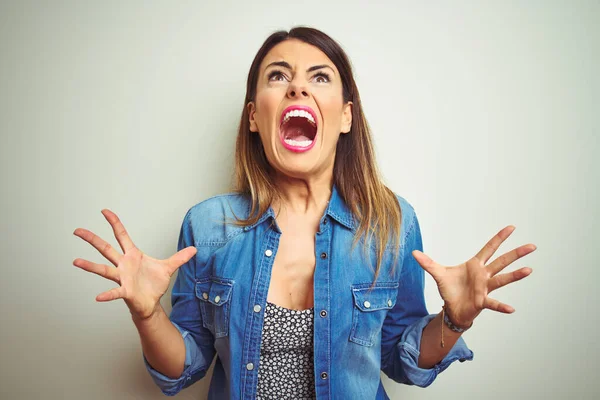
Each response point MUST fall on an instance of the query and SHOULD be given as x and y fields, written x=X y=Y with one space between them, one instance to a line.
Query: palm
x=465 y=287
x=142 y=280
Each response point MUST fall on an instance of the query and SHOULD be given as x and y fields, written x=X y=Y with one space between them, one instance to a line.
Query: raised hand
x=465 y=287
x=143 y=280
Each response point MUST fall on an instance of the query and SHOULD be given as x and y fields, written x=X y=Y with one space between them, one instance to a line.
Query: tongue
x=296 y=133
x=300 y=138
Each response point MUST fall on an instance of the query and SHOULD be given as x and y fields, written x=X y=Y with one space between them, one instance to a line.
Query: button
x=367 y=304
x=257 y=308
x=323 y=375
x=325 y=221
x=268 y=253
x=249 y=366
x=205 y=296
x=389 y=303
x=323 y=313
x=323 y=255
x=217 y=299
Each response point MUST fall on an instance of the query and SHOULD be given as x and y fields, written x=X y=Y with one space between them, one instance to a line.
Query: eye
x=321 y=77
x=276 y=76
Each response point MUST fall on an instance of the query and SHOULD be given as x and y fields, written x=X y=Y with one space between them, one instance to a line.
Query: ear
x=347 y=118
x=251 y=112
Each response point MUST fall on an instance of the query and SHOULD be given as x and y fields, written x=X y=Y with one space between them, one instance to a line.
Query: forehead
x=296 y=53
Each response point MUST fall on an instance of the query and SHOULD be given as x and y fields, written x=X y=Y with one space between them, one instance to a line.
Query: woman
x=308 y=280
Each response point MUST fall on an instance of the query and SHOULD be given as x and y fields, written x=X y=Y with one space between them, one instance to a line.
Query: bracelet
x=450 y=324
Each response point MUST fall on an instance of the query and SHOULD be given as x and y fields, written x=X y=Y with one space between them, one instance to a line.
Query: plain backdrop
x=484 y=114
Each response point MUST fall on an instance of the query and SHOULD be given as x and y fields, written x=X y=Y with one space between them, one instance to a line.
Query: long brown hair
x=355 y=171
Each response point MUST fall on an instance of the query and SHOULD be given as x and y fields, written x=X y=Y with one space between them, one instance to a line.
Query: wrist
x=147 y=320
x=454 y=325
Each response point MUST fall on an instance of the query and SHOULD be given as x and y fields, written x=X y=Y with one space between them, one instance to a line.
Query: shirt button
x=257 y=308
x=249 y=366
x=323 y=313
x=323 y=255
x=268 y=253
x=367 y=304
x=205 y=296
x=217 y=299
x=389 y=303
x=325 y=221
x=323 y=375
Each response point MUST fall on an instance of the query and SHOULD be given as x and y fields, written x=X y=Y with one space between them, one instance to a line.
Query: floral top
x=286 y=368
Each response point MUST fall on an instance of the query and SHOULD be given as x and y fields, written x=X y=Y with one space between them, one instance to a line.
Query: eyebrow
x=284 y=64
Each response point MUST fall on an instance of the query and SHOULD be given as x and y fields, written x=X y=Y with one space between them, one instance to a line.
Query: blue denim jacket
x=219 y=297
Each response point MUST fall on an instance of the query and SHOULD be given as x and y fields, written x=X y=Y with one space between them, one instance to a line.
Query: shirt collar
x=338 y=210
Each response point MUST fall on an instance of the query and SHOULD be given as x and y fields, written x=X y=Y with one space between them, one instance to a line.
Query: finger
x=426 y=263
x=490 y=247
x=103 y=247
x=99 y=269
x=504 y=279
x=180 y=258
x=120 y=232
x=495 y=305
x=508 y=258
x=112 y=294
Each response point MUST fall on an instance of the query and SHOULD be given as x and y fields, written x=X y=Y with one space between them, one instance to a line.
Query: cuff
x=409 y=346
x=169 y=386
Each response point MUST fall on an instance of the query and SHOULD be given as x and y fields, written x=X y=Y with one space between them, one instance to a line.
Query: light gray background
x=484 y=114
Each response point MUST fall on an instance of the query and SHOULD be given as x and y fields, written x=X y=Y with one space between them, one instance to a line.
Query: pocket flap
x=382 y=296
x=216 y=291
x=203 y=288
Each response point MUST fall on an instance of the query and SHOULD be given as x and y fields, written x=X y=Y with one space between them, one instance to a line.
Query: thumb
x=425 y=262
x=180 y=258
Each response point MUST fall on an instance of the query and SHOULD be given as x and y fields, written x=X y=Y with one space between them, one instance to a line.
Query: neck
x=303 y=196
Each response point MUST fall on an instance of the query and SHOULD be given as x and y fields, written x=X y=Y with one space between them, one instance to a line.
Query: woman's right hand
x=143 y=280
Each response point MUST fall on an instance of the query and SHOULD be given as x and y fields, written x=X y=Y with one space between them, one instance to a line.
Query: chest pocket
x=214 y=295
x=369 y=310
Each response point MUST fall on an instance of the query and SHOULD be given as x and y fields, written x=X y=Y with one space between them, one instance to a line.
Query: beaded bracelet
x=449 y=324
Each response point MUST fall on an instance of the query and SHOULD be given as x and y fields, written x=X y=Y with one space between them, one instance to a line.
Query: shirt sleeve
x=404 y=324
x=187 y=318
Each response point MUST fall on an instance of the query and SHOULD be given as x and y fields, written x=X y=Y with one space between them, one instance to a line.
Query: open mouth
x=298 y=128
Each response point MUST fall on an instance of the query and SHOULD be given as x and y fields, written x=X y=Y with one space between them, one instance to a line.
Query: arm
x=183 y=355
x=162 y=344
x=431 y=350
x=179 y=347
x=410 y=335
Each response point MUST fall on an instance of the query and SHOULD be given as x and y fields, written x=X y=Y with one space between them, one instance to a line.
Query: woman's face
x=299 y=111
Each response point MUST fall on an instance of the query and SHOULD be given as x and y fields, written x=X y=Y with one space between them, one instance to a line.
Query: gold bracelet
x=443 y=308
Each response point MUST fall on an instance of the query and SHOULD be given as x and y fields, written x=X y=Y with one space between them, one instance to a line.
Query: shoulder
x=409 y=216
x=211 y=220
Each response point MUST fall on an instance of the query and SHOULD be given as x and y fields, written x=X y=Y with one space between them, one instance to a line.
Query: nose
x=297 y=89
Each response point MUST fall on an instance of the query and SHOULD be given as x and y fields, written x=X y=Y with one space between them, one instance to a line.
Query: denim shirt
x=219 y=298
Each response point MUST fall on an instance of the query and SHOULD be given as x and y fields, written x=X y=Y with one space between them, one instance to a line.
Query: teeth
x=299 y=113
x=303 y=143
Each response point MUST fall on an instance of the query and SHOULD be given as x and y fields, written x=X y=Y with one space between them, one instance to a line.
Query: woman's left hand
x=465 y=287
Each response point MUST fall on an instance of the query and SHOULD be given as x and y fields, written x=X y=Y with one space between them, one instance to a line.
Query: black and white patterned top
x=286 y=355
